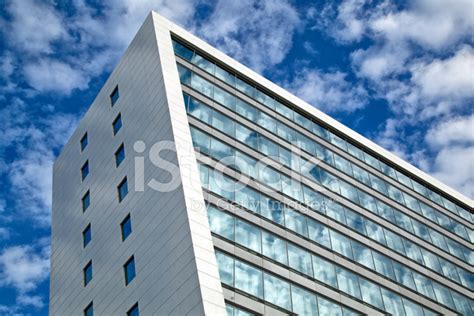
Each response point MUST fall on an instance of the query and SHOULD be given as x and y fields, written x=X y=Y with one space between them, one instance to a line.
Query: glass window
x=223 y=123
x=421 y=230
x=200 y=110
x=342 y=164
x=269 y=176
x=246 y=136
x=203 y=63
x=201 y=141
x=86 y=236
x=303 y=121
x=225 y=76
x=284 y=110
x=403 y=221
x=383 y=265
x=393 y=303
x=248 y=279
x=300 y=260
x=403 y=275
x=378 y=184
x=263 y=98
x=412 y=309
x=286 y=133
x=314 y=199
x=319 y=233
x=304 y=302
x=355 y=221
x=361 y=175
x=204 y=176
x=86 y=201
x=341 y=244
x=248 y=198
x=291 y=188
x=85 y=170
x=324 y=271
x=122 y=189
x=348 y=282
x=403 y=179
x=371 y=161
x=87 y=272
x=305 y=143
x=182 y=51
x=386 y=211
x=349 y=191
x=133 y=311
x=129 y=269
x=355 y=151
x=274 y=247
x=431 y=260
x=272 y=210
x=226 y=268
x=335 y=211
x=221 y=185
x=367 y=201
x=266 y=122
x=311 y=171
x=320 y=131
x=246 y=110
x=220 y=150
x=224 y=98
x=362 y=255
x=114 y=96
x=126 y=227
x=326 y=307
x=89 y=310
x=463 y=305
x=277 y=291
x=411 y=203
x=443 y=295
x=429 y=212
x=119 y=155
x=296 y=222
x=375 y=232
x=267 y=147
x=117 y=124
x=287 y=159
x=184 y=75
x=245 y=164
x=248 y=236
x=202 y=85
x=338 y=141
x=84 y=142
x=395 y=194
x=221 y=223
x=423 y=285
x=371 y=293
x=413 y=251
x=467 y=278
x=394 y=241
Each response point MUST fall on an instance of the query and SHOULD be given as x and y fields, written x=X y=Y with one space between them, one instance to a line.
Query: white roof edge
x=247 y=72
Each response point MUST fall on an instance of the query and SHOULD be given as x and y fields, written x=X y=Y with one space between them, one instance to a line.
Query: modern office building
x=195 y=186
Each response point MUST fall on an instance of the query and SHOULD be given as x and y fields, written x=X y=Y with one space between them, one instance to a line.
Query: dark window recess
x=86 y=201
x=133 y=311
x=85 y=170
x=89 y=310
x=114 y=96
x=126 y=227
x=129 y=269
x=117 y=124
x=122 y=189
x=119 y=155
x=87 y=273
x=84 y=142
x=87 y=235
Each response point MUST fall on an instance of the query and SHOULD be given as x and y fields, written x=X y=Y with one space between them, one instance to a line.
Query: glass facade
x=238 y=126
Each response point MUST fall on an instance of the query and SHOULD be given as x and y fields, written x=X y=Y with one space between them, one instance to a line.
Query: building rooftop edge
x=306 y=107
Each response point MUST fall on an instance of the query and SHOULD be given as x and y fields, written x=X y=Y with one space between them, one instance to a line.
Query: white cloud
x=34 y=26
x=23 y=268
x=258 y=33
x=455 y=131
x=48 y=75
x=330 y=92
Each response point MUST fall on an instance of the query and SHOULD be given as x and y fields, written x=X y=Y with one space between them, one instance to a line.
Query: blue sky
x=400 y=73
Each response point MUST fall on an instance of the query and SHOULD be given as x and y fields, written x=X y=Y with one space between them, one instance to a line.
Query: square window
x=87 y=273
x=119 y=155
x=126 y=227
x=84 y=142
x=86 y=201
x=89 y=310
x=117 y=124
x=87 y=235
x=129 y=269
x=122 y=189
x=85 y=170
x=133 y=311
x=114 y=96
